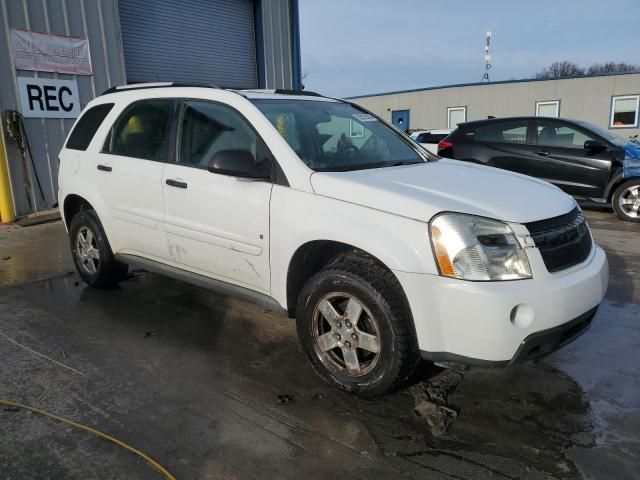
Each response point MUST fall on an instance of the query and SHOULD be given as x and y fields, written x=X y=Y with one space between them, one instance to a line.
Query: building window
x=624 y=111
x=548 y=108
x=456 y=115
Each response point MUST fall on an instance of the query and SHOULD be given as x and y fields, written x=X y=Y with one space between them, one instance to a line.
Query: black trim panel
x=218 y=286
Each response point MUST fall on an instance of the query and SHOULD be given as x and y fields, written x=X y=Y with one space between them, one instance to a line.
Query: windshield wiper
x=348 y=168
x=404 y=162
x=366 y=166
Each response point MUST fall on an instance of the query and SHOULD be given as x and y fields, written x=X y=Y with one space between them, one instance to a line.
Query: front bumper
x=534 y=346
x=470 y=322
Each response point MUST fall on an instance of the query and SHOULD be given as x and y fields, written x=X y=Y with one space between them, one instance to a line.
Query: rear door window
x=514 y=131
x=87 y=126
x=143 y=130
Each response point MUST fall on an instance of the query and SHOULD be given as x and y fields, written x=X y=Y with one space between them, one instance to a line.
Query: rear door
x=129 y=172
x=217 y=225
x=504 y=144
x=560 y=158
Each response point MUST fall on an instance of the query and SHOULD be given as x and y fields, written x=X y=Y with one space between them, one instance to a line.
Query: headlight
x=477 y=248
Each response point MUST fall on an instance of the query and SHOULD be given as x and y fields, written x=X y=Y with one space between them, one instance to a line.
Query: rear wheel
x=92 y=253
x=355 y=328
x=626 y=201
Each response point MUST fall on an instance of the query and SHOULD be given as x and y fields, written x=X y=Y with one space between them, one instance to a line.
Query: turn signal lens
x=442 y=257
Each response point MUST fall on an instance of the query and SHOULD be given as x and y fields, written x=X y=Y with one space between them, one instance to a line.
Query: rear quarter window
x=87 y=126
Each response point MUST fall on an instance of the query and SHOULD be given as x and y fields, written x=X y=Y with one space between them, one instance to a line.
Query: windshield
x=615 y=139
x=335 y=136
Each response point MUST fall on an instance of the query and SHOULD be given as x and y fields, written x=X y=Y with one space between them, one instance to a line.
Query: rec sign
x=48 y=98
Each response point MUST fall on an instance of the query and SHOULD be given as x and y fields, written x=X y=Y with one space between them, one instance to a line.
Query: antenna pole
x=487 y=59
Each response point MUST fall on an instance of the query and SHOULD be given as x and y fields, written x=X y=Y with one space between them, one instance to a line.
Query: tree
x=561 y=69
x=612 y=67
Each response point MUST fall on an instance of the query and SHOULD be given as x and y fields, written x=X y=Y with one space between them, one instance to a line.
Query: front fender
x=297 y=218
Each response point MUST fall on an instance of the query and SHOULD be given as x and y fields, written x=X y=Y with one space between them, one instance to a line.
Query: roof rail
x=281 y=91
x=140 y=86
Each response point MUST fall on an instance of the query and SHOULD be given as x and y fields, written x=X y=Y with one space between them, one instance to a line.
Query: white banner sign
x=48 y=98
x=50 y=53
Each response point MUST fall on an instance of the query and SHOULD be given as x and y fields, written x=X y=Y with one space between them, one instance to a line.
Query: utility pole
x=487 y=59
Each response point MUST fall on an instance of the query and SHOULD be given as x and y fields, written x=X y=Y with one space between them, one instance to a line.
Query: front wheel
x=355 y=327
x=92 y=253
x=626 y=201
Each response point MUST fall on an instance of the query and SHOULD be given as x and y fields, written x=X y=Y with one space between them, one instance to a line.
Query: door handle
x=542 y=153
x=176 y=183
x=104 y=168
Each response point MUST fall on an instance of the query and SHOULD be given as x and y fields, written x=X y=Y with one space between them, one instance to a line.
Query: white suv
x=316 y=207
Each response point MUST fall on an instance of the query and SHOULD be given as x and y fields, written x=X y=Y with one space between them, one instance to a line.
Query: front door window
x=551 y=134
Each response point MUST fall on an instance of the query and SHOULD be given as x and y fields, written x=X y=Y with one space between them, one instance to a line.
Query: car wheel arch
x=613 y=184
x=311 y=257
x=72 y=205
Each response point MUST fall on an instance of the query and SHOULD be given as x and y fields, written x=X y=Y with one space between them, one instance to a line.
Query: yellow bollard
x=7 y=213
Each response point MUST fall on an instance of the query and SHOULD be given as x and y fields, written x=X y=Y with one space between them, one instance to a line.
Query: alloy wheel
x=629 y=201
x=87 y=250
x=346 y=335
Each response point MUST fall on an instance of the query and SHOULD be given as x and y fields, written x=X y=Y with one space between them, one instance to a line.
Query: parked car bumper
x=474 y=322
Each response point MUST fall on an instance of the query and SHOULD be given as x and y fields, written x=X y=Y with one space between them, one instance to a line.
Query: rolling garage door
x=196 y=41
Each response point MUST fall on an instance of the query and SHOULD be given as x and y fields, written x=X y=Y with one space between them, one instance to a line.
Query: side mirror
x=238 y=163
x=594 y=146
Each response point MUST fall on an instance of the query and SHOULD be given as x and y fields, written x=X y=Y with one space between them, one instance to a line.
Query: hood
x=423 y=190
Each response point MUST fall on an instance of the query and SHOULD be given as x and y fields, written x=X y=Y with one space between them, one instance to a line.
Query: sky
x=357 y=47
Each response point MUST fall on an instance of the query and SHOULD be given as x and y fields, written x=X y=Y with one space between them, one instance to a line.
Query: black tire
x=626 y=189
x=380 y=293
x=106 y=271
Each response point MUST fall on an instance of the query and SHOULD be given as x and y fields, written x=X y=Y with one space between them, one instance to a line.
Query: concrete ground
x=216 y=388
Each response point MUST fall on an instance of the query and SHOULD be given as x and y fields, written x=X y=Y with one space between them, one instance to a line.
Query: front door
x=216 y=225
x=400 y=119
x=560 y=158
x=128 y=175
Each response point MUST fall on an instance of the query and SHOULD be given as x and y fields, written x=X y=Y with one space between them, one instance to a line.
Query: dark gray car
x=582 y=159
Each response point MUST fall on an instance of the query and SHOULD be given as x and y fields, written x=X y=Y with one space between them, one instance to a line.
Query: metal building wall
x=279 y=57
x=278 y=65
x=95 y=20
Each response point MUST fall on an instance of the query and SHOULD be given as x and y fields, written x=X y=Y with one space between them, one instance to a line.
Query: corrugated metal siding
x=203 y=41
x=99 y=22
x=95 y=20
x=278 y=44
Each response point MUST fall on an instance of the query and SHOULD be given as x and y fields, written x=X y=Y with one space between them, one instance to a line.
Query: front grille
x=563 y=241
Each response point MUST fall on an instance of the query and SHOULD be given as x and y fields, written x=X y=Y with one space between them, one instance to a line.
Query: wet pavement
x=214 y=387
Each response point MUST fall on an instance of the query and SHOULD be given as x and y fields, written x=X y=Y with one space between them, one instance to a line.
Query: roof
x=520 y=117
x=501 y=82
